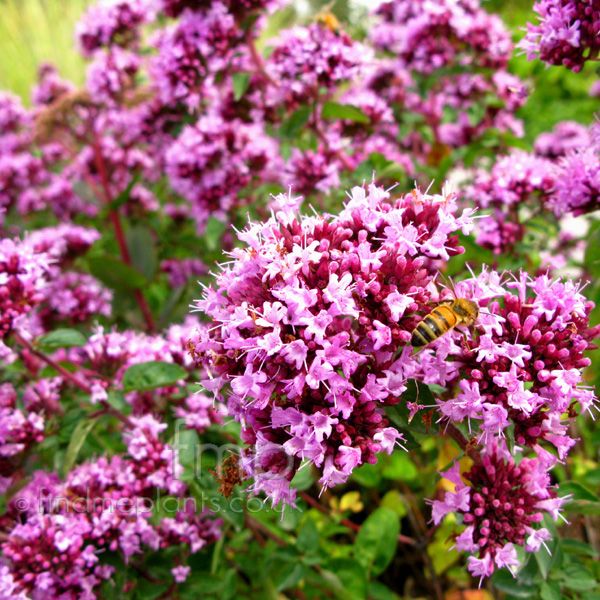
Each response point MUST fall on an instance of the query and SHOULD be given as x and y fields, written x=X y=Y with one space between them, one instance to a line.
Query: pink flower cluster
x=501 y=506
x=112 y=23
x=562 y=176
x=525 y=365
x=108 y=355
x=50 y=86
x=577 y=185
x=566 y=136
x=181 y=271
x=73 y=298
x=62 y=529
x=192 y=52
x=23 y=277
x=240 y=8
x=311 y=322
x=463 y=95
x=309 y=344
x=111 y=73
x=427 y=35
x=20 y=170
x=19 y=431
x=515 y=181
x=310 y=340
x=306 y=59
x=115 y=149
x=460 y=104
x=521 y=369
x=212 y=161
x=567 y=33
x=36 y=275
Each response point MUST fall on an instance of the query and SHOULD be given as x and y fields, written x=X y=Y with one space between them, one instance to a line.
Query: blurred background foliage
x=33 y=31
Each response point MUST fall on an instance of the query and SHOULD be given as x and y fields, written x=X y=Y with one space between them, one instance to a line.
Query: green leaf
x=77 y=439
x=545 y=559
x=151 y=375
x=550 y=590
x=290 y=576
x=578 y=491
x=592 y=260
x=291 y=517
x=295 y=123
x=115 y=273
x=376 y=542
x=225 y=508
x=378 y=591
x=476 y=112
x=593 y=477
x=394 y=171
x=346 y=578
x=436 y=389
x=117 y=400
x=577 y=577
x=333 y=110
x=249 y=21
x=49 y=371
x=186 y=442
x=149 y=590
x=170 y=306
x=213 y=234
x=505 y=582
x=399 y=414
x=308 y=537
x=395 y=502
x=367 y=475
x=583 y=501
x=123 y=197
x=303 y=479
x=570 y=546
x=62 y=338
x=142 y=250
x=582 y=507
x=200 y=583
x=399 y=467
x=240 y=81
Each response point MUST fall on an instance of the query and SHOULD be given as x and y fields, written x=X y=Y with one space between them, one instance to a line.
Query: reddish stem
x=463 y=443
x=119 y=233
x=259 y=538
x=258 y=59
x=254 y=525
x=82 y=385
x=339 y=153
x=49 y=361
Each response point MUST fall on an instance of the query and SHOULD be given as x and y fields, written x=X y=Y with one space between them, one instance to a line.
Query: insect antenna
x=448 y=283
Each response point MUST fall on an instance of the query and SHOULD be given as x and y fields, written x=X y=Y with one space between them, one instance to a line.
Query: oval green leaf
x=77 y=439
x=376 y=542
x=62 y=338
x=333 y=110
x=115 y=273
x=151 y=375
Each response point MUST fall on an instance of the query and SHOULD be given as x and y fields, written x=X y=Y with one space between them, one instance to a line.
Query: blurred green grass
x=34 y=31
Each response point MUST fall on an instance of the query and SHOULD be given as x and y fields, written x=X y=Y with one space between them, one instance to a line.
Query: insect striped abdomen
x=440 y=320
